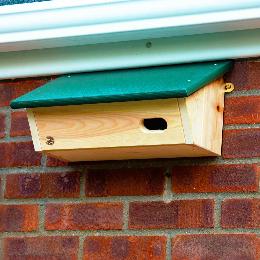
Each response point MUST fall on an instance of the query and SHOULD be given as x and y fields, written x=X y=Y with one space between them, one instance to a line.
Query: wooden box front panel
x=118 y=124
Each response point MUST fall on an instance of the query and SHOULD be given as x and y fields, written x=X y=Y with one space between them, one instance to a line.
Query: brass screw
x=49 y=140
x=229 y=87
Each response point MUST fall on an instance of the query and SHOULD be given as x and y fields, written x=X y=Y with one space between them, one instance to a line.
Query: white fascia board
x=121 y=55
x=64 y=36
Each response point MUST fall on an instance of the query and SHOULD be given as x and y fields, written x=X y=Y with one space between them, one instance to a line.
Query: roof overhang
x=175 y=81
x=57 y=37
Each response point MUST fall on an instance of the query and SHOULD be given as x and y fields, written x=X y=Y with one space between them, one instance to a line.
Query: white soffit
x=112 y=34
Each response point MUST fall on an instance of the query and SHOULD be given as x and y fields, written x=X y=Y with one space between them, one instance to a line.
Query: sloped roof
x=124 y=85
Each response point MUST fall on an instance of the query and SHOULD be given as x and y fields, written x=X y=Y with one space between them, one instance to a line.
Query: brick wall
x=151 y=209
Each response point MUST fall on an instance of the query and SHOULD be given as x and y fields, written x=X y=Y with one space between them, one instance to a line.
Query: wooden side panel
x=123 y=153
x=34 y=130
x=118 y=124
x=205 y=113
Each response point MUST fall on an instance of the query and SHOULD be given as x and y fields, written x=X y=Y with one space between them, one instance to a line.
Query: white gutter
x=129 y=24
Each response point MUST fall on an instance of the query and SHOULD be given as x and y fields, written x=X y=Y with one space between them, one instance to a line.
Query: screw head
x=229 y=87
x=148 y=45
x=49 y=140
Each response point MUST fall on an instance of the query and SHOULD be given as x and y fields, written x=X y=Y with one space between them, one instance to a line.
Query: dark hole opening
x=155 y=123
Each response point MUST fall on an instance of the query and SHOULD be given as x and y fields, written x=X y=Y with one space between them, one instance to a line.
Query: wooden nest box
x=156 y=112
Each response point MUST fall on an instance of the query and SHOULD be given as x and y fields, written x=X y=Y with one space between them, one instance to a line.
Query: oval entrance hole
x=155 y=124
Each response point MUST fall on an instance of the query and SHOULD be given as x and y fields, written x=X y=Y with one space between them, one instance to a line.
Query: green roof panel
x=124 y=85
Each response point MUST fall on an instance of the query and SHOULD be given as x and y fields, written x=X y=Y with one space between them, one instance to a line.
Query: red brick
x=53 y=162
x=242 y=110
x=11 y=89
x=84 y=216
x=1 y=192
x=41 y=247
x=19 y=124
x=149 y=181
x=125 y=247
x=241 y=143
x=175 y=214
x=2 y=125
x=46 y=185
x=215 y=247
x=18 y=218
x=215 y=178
x=245 y=75
x=18 y=154
x=241 y=213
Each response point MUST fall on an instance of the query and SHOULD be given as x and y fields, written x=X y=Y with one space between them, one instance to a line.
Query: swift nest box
x=156 y=112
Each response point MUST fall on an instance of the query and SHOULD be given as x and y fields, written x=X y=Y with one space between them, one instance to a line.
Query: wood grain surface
x=108 y=125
